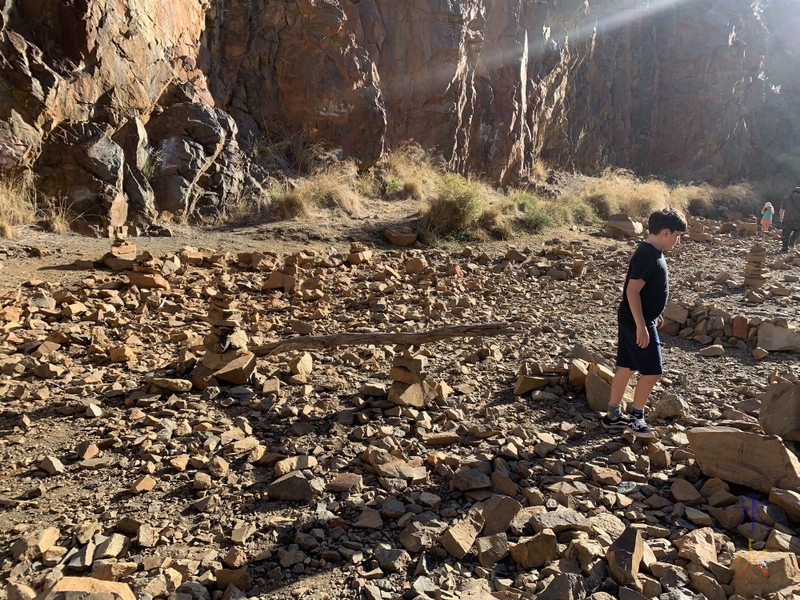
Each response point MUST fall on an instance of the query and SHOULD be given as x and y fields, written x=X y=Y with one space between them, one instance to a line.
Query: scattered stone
x=79 y=586
x=622 y=225
x=391 y=559
x=683 y=491
x=763 y=573
x=293 y=487
x=698 y=546
x=498 y=512
x=715 y=350
x=492 y=549
x=145 y=483
x=52 y=465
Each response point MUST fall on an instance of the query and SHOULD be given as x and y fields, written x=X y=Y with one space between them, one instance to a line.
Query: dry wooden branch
x=407 y=339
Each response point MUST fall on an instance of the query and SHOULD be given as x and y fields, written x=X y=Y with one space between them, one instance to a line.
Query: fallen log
x=406 y=339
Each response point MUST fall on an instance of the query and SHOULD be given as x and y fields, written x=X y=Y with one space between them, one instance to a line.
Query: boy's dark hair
x=666 y=218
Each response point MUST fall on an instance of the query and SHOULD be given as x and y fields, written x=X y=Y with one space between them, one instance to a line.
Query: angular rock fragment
x=625 y=555
x=780 y=411
x=535 y=552
x=458 y=538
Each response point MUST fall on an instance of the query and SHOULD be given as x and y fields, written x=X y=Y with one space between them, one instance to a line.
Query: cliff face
x=95 y=93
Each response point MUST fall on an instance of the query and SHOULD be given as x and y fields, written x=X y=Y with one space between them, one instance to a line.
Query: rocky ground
x=151 y=447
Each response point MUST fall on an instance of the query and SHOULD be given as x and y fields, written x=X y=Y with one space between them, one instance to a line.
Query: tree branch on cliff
x=407 y=339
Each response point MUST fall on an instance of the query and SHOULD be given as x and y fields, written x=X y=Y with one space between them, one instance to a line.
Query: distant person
x=766 y=216
x=790 y=219
x=644 y=297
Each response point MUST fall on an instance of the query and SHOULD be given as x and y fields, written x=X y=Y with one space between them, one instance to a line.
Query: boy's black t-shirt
x=647 y=263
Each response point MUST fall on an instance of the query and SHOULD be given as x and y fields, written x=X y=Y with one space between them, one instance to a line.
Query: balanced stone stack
x=409 y=387
x=122 y=256
x=755 y=271
x=359 y=254
x=226 y=355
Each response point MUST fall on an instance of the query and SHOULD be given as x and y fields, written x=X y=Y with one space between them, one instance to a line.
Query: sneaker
x=619 y=422
x=640 y=429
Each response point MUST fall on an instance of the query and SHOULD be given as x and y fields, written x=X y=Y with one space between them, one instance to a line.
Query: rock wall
x=103 y=97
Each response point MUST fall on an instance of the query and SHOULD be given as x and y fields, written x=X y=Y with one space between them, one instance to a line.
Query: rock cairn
x=226 y=357
x=756 y=273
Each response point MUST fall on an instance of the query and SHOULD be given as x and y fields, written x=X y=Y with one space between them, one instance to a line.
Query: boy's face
x=671 y=238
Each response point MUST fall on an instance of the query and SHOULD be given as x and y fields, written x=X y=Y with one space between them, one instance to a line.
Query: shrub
x=527 y=211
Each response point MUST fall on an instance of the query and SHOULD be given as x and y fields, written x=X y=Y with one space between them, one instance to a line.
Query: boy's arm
x=635 y=302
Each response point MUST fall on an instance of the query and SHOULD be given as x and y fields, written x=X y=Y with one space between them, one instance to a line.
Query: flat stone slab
x=757 y=461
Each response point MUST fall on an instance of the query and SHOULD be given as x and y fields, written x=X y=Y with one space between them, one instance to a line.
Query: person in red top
x=644 y=298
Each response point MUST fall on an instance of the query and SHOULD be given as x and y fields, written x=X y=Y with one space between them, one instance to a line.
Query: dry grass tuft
x=56 y=216
x=290 y=206
x=17 y=205
x=247 y=209
x=333 y=187
x=455 y=210
x=410 y=172
x=706 y=200
x=619 y=191
x=291 y=153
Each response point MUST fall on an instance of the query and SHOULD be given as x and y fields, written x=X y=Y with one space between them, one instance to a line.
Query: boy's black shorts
x=647 y=361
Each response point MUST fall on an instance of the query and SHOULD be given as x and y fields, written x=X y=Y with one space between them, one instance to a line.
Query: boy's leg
x=614 y=418
x=785 y=233
x=642 y=391
x=619 y=384
x=640 y=395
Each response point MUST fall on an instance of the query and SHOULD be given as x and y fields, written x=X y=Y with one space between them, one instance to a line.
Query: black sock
x=637 y=413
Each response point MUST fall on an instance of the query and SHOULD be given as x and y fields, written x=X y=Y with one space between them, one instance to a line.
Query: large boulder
x=193 y=142
x=82 y=167
x=757 y=461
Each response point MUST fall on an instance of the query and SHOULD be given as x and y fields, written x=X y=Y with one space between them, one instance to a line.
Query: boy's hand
x=642 y=337
x=659 y=321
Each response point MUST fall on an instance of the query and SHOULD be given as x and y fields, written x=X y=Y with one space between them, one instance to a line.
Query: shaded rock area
x=94 y=95
x=181 y=461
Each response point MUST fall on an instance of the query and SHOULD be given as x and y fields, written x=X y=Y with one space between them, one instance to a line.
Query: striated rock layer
x=125 y=109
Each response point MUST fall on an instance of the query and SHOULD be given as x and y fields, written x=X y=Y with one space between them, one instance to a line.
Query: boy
x=644 y=298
